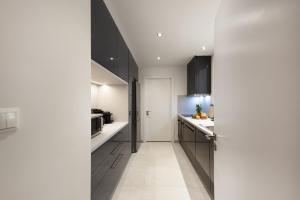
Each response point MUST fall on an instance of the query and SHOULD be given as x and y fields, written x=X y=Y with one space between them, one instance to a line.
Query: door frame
x=145 y=136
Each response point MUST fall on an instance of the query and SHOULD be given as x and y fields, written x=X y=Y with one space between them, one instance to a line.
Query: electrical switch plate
x=2 y=121
x=11 y=119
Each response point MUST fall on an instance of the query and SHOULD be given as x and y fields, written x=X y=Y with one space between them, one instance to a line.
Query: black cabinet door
x=191 y=79
x=104 y=36
x=122 y=136
x=102 y=159
x=179 y=124
x=108 y=164
x=203 y=151
x=203 y=72
x=106 y=187
x=99 y=155
x=133 y=68
x=199 y=75
x=205 y=160
x=123 y=57
x=189 y=141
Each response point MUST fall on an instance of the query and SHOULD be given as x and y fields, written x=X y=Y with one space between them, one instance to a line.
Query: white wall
x=179 y=87
x=94 y=95
x=112 y=98
x=257 y=95
x=45 y=71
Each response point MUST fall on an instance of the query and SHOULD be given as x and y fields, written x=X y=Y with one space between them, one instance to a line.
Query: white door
x=158 y=109
x=257 y=96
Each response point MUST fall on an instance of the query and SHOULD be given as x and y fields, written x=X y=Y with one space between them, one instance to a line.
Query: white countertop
x=108 y=131
x=96 y=115
x=201 y=124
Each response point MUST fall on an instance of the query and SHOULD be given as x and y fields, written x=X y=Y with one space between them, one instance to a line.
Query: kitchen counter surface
x=109 y=130
x=96 y=115
x=205 y=125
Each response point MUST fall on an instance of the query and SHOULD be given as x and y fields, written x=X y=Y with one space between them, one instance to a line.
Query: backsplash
x=187 y=104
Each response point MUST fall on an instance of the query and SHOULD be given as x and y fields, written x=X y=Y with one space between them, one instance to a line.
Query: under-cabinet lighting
x=96 y=83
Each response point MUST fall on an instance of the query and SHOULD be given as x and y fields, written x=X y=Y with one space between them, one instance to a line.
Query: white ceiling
x=186 y=25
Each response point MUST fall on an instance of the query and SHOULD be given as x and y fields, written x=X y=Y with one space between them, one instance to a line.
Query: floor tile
x=160 y=170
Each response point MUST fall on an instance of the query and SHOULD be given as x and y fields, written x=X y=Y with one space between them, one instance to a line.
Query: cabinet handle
x=207 y=137
x=116 y=162
x=215 y=146
x=116 y=148
x=192 y=129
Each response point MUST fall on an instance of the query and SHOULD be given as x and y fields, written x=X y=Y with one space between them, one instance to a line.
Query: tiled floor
x=159 y=171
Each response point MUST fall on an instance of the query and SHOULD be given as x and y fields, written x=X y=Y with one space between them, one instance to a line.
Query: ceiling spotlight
x=158 y=58
x=203 y=48
x=159 y=34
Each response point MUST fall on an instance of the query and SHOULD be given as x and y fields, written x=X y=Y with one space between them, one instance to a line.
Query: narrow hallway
x=160 y=170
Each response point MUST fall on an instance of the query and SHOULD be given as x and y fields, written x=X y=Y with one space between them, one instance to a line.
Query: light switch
x=2 y=121
x=11 y=119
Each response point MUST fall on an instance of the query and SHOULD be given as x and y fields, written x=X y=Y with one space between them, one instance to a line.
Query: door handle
x=148 y=112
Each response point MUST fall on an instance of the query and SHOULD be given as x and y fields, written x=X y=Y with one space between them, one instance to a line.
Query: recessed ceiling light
x=158 y=58
x=159 y=34
x=203 y=48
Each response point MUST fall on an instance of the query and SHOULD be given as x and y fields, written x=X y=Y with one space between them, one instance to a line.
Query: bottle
x=211 y=114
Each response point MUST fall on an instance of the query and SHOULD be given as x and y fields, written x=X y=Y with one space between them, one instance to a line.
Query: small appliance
x=96 y=124
x=107 y=116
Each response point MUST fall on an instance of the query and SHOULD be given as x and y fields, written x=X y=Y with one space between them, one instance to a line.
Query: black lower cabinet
x=179 y=123
x=200 y=150
x=189 y=141
x=205 y=160
x=108 y=164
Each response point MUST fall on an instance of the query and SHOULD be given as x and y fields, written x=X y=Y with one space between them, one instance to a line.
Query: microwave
x=96 y=124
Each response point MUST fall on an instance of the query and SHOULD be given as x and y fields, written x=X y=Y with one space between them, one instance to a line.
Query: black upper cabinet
x=108 y=47
x=133 y=69
x=104 y=37
x=123 y=59
x=199 y=75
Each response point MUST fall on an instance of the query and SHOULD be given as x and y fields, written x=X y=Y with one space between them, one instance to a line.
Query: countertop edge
x=198 y=126
x=109 y=130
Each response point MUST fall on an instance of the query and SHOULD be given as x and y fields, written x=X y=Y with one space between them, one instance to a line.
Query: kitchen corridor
x=159 y=171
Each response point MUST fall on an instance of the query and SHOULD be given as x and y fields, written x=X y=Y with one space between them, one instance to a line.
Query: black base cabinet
x=205 y=160
x=199 y=148
x=180 y=123
x=189 y=141
x=108 y=164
